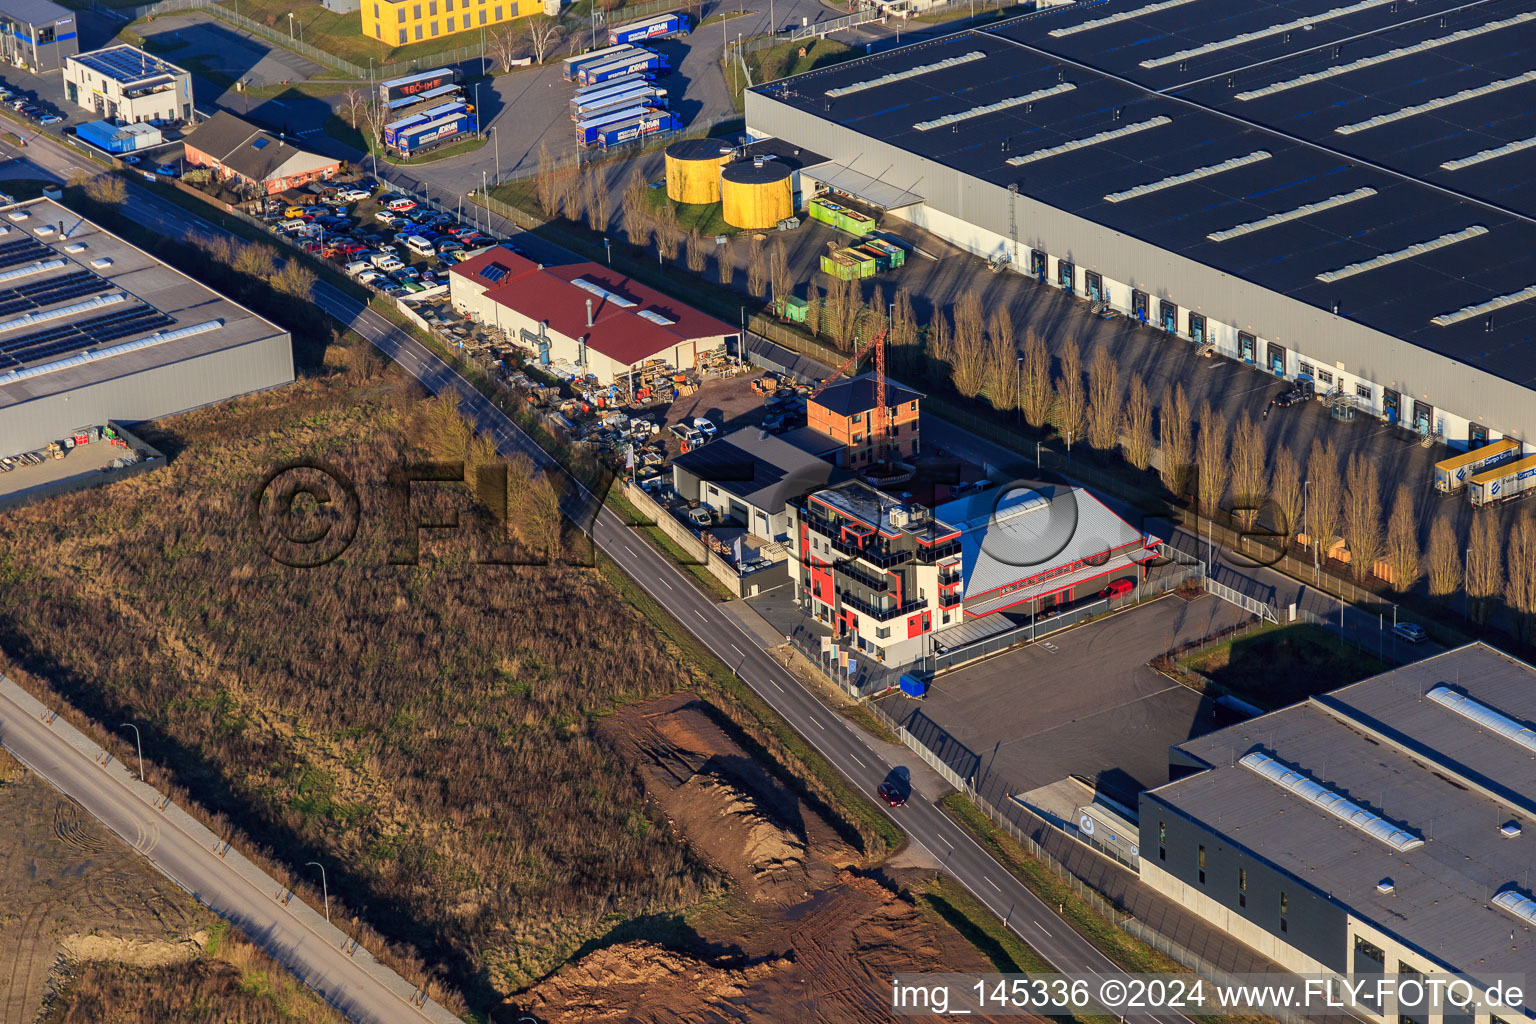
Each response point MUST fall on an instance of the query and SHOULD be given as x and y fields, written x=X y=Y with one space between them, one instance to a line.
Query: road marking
x=1037 y=924
x=700 y=615
x=993 y=884
x=856 y=758
x=817 y=723
x=630 y=550
x=664 y=583
x=738 y=651
x=946 y=842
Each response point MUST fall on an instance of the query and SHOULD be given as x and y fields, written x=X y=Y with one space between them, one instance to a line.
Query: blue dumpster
x=913 y=686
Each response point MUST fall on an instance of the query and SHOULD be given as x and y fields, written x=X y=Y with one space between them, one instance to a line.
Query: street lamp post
x=496 y=139
x=1018 y=389
x=140 y=743
x=324 y=889
x=290 y=26
x=608 y=248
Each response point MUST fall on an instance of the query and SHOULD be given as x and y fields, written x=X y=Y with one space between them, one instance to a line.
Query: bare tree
x=505 y=48
x=1035 y=390
x=1403 y=542
x=543 y=34
x=1069 y=413
x=546 y=187
x=294 y=279
x=1362 y=515
x=1444 y=558
x=812 y=309
x=256 y=261
x=840 y=317
x=779 y=280
x=637 y=220
x=353 y=103
x=541 y=513
x=668 y=235
x=1520 y=591
x=1137 y=444
x=1211 y=459
x=1285 y=487
x=107 y=189
x=725 y=267
x=694 y=252
x=968 y=370
x=1002 y=372
x=599 y=200
x=941 y=345
x=1248 y=471
x=1176 y=439
x=903 y=344
x=1485 y=567
x=568 y=186
x=1325 y=495
x=757 y=269
x=1104 y=401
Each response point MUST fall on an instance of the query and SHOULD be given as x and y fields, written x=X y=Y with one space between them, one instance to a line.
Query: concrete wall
x=958 y=205
x=719 y=568
x=149 y=394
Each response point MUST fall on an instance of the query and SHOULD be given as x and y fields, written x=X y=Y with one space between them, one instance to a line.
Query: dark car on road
x=892 y=794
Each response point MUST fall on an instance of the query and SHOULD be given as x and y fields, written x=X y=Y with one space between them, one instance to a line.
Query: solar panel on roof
x=125 y=64
x=1092 y=140
x=1305 y=210
x=992 y=108
x=494 y=272
x=1188 y=176
x=1115 y=18
x=1416 y=249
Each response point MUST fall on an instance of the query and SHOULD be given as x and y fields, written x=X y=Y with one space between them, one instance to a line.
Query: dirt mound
x=641 y=981
x=110 y=949
x=767 y=850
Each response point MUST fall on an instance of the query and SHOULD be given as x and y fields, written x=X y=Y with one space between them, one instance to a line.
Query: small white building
x=583 y=314
x=125 y=84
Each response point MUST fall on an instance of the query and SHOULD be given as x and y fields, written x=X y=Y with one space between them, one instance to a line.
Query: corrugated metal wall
x=1506 y=407
x=150 y=394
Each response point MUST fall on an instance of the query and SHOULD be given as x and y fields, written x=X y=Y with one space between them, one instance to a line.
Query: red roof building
x=583 y=314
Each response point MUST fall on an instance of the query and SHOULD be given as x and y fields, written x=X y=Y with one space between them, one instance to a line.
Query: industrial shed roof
x=1282 y=207
x=79 y=305
x=1388 y=747
x=763 y=470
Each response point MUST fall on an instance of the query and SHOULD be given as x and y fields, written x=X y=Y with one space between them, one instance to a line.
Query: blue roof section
x=1409 y=198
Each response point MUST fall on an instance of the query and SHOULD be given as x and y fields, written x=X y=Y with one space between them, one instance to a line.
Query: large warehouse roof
x=1428 y=781
x=1265 y=189
x=79 y=305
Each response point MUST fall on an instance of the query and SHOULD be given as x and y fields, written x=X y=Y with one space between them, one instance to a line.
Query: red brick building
x=260 y=161
x=846 y=412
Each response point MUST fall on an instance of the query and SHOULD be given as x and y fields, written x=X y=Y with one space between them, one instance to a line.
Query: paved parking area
x=221 y=48
x=1081 y=703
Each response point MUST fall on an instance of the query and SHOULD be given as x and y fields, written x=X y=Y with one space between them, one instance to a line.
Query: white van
x=386 y=261
x=420 y=246
x=357 y=267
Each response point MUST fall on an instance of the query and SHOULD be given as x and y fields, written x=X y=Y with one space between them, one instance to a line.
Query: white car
x=369 y=276
x=385 y=217
x=386 y=262
x=356 y=267
x=1409 y=631
x=705 y=427
x=351 y=195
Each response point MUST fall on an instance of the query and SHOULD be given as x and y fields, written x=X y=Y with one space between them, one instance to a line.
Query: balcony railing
x=869 y=580
x=882 y=614
x=874 y=554
x=940 y=551
x=950 y=600
x=949 y=574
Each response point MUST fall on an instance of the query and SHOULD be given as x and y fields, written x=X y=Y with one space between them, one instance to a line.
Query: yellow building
x=398 y=22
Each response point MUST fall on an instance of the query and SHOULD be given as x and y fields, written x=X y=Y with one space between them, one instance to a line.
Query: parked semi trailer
x=645 y=94
x=414 y=85
x=1453 y=473
x=571 y=65
x=659 y=27
x=587 y=93
x=429 y=128
x=1510 y=480
x=642 y=61
x=657 y=122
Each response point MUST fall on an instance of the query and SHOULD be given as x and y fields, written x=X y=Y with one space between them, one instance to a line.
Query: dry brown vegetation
x=425 y=731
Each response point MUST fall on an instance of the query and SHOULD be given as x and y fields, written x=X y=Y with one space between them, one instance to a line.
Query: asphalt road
x=843 y=745
x=324 y=967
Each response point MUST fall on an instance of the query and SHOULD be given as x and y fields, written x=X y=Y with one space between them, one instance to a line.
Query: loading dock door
x=1139 y=305
x=1477 y=435
x=1245 y=343
x=1168 y=316
x=1197 y=328
x=1037 y=264
x=1423 y=417
x=1276 y=360
x=1066 y=275
x=1391 y=404
x=1094 y=283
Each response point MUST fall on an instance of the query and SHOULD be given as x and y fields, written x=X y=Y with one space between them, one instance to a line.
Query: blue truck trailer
x=647 y=95
x=660 y=27
x=655 y=122
x=430 y=127
x=571 y=65
x=642 y=61
x=587 y=131
x=587 y=91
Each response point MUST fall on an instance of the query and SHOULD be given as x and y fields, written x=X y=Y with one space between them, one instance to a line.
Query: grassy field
x=787 y=59
x=1271 y=668
x=342 y=34
x=701 y=218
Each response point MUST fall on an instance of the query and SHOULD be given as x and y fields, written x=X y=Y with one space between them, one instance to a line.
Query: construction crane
x=877 y=343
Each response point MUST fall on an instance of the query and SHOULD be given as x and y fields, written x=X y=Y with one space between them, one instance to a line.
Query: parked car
x=1411 y=632
x=401 y=205
x=352 y=194
x=387 y=262
x=385 y=217
x=700 y=517
x=705 y=427
x=131 y=160
x=49 y=119
x=892 y=794
x=294 y=212
x=1118 y=588
x=167 y=171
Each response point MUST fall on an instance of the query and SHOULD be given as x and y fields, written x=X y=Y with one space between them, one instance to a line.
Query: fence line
x=1243 y=601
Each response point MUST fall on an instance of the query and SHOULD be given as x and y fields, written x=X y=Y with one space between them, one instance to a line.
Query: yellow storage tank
x=693 y=170
x=756 y=195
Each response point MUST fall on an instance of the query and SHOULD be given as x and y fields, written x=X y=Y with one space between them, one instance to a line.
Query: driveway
x=1081 y=703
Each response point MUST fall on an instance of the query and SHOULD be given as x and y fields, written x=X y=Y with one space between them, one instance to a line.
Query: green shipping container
x=882 y=259
x=896 y=256
x=839 y=266
x=841 y=217
x=867 y=265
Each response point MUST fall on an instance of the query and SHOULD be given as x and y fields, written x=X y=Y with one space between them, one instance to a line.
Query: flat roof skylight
x=1332 y=801
x=1382 y=58
x=1114 y=19
x=1265 y=33
x=992 y=108
x=1092 y=140
x=899 y=76
x=599 y=290
x=1188 y=176
x=1416 y=249
x=1468 y=312
x=1436 y=104
x=1489 y=718
x=1488 y=154
x=1517 y=903
x=1306 y=210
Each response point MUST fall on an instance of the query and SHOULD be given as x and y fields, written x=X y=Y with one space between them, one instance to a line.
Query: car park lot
x=1081 y=703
